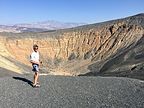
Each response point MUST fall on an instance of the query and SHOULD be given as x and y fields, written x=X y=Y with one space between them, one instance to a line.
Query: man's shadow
x=24 y=80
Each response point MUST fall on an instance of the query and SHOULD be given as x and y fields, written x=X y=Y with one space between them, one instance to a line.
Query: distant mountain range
x=38 y=26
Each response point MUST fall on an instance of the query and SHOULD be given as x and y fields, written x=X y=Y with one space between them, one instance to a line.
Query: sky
x=79 y=11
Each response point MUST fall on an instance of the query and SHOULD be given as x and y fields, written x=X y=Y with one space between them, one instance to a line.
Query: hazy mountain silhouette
x=38 y=26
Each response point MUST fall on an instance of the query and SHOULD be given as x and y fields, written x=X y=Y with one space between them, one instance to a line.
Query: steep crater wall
x=79 y=50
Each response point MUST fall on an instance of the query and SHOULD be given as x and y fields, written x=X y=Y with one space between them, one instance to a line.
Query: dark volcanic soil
x=71 y=92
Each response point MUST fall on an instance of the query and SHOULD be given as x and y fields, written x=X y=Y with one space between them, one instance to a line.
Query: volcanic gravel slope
x=71 y=92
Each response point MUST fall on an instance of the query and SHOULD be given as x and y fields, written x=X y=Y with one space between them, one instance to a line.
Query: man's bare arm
x=34 y=62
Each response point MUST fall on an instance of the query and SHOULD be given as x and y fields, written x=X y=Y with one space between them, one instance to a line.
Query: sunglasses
x=36 y=48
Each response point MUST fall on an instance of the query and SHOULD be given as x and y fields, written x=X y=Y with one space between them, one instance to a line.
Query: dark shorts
x=35 y=68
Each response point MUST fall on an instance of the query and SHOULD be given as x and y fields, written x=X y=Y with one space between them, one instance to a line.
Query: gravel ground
x=71 y=92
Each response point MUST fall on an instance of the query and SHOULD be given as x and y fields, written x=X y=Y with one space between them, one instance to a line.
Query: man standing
x=34 y=59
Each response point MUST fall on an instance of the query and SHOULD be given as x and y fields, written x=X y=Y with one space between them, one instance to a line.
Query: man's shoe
x=36 y=85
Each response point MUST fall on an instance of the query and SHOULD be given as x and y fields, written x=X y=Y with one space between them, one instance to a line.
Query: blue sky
x=87 y=11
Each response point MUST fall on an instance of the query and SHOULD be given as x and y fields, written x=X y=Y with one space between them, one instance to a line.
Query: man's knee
x=36 y=73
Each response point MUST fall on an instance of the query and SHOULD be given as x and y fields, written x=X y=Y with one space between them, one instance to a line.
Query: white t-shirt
x=34 y=56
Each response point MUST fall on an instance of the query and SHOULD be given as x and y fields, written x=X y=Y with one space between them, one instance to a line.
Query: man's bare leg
x=36 y=75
